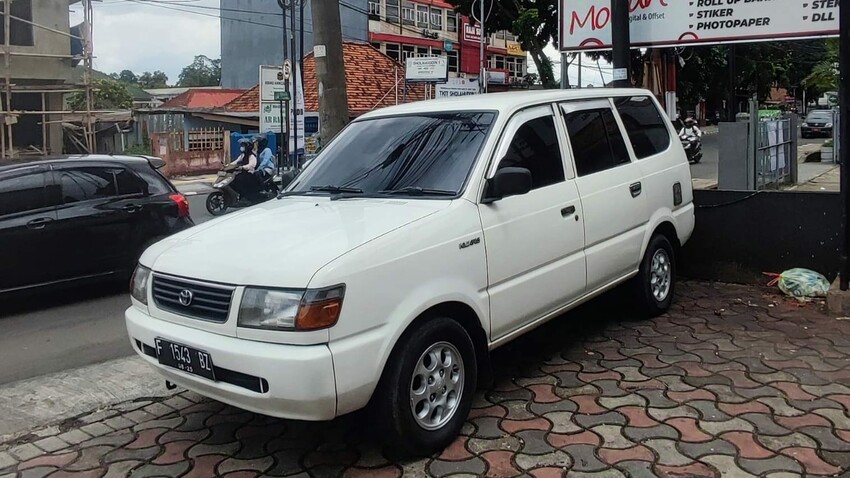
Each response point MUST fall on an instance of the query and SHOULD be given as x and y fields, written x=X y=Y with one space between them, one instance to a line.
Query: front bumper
x=286 y=381
x=811 y=131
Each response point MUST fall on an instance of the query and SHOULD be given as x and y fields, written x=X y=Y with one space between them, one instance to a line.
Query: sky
x=140 y=35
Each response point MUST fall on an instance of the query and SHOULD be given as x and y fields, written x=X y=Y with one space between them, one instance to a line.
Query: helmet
x=690 y=122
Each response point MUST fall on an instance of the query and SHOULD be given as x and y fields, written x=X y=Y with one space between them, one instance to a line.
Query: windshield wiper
x=336 y=189
x=418 y=191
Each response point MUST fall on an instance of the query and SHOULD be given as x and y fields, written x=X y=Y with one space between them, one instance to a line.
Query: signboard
x=433 y=68
x=515 y=49
x=282 y=96
x=472 y=33
x=272 y=79
x=457 y=87
x=586 y=24
x=270 y=110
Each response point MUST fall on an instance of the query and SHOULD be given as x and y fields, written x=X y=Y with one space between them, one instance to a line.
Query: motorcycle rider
x=691 y=129
x=246 y=185
x=267 y=165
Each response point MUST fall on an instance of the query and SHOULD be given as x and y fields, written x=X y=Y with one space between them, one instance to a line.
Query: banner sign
x=586 y=24
x=471 y=33
x=272 y=80
x=270 y=109
x=432 y=68
x=457 y=87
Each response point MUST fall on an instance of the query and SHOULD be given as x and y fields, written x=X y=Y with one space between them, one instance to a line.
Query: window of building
x=83 y=184
x=422 y=19
x=500 y=62
x=596 y=140
x=392 y=11
x=375 y=10
x=451 y=21
x=20 y=33
x=436 y=18
x=376 y=45
x=422 y=51
x=408 y=13
x=407 y=51
x=510 y=36
x=491 y=62
x=454 y=65
x=514 y=66
x=646 y=128
x=535 y=147
x=500 y=34
x=393 y=50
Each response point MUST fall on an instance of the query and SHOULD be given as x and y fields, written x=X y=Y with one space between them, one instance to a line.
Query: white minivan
x=423 y=237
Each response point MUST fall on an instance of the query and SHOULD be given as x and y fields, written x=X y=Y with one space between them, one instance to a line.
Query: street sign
x=430 y=68
x=457 y=87
x=586 y=24
x=287 y=69
x=282 y=96
x=272 y=79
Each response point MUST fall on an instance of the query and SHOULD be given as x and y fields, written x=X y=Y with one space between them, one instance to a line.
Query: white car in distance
x=423 y=237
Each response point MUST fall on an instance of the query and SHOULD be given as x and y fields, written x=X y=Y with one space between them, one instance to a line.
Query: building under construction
x=42 y=55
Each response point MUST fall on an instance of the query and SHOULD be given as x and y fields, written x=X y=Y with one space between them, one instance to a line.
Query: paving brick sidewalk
x=733 y=382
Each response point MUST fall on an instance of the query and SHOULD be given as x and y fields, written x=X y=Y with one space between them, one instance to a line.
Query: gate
x=775 y=140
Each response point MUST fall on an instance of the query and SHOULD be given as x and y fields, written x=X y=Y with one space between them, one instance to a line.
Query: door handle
x=568 y=211
x=635 y=189
x=39 y=223
x=131 y=208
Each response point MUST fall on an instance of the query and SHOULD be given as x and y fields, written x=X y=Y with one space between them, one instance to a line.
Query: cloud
x=148 y=37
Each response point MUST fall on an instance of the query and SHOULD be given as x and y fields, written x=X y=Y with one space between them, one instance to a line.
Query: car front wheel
x=656 y=281
x=427 y=388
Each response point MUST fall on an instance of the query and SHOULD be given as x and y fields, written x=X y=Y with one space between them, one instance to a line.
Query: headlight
x=805 y=125
x=280 y=309
x=829 y=125
x=139 y=284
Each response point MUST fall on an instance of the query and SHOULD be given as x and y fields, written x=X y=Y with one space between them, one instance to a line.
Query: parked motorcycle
x=693 y=147
x=225 y=197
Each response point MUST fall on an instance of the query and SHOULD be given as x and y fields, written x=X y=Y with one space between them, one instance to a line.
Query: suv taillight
x=182 y=204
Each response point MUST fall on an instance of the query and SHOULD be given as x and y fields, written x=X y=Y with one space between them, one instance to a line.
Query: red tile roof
x=370 y=76
x=202 y=99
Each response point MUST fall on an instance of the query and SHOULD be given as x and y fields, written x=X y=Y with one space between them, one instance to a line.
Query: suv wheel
x=427 y=388
x=656 y=281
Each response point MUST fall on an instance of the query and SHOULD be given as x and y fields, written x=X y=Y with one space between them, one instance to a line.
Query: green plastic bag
x=800 y=283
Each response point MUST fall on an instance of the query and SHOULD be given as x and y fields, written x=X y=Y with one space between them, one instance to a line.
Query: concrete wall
x=245 y=46
x=52 y=14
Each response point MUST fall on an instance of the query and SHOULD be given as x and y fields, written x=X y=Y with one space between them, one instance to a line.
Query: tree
x=534 y=22
x=824 y=75
x=202 y=72
x=127 y=77
x=156 y=79
x=108 y=95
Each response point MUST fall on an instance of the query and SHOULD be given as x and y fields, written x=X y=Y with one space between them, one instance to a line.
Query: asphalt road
x=707 y=168
x=55 y=331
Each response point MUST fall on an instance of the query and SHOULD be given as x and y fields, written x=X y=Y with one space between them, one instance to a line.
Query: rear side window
x=86 y=183
x=23 y=190
x=154 y=183
x=596 y=141
x=644 y=124
x=535 y=147
x=129 y=184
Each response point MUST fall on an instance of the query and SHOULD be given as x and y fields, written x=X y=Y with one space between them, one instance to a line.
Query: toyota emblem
x=185 y=297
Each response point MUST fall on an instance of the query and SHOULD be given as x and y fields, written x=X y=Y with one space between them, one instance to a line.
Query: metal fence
x=775 y=140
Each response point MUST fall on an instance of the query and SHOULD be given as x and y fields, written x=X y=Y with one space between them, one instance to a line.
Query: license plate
x=816 y=130
x=187 y=359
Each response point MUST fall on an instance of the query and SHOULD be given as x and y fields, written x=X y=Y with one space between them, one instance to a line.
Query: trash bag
x=800 y=283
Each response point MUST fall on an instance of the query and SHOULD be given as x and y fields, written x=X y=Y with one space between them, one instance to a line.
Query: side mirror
x=507 y=182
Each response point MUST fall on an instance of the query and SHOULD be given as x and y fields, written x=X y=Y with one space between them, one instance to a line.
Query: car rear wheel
x=656 y=281
x=427 y=388
x=216 y=204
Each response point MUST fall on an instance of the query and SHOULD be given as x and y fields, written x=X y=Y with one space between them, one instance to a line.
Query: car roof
x=9 y=164
x=502 y=102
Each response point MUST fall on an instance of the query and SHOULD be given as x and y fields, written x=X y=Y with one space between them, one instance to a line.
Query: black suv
x=82 y=217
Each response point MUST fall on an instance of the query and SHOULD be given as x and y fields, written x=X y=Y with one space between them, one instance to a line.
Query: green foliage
x=108 y=95
x=157 y=79
x=202 y=72
x=824 y=76
x=139 y=150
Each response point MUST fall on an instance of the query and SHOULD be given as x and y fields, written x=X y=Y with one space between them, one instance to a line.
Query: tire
x=216 y=203
x=658 y=261
x=396 y=404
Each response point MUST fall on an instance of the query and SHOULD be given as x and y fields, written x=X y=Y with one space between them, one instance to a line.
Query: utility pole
x=482 y=78
x=330 y=68
x=283 y=145
x=621 y=43
x=294 y=100
x=733 y=87
x=844 y=136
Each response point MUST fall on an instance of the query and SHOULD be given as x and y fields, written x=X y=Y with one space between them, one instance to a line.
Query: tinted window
x=433 y=151
x=596 y=141
x=82 y=184
x=155 y=183
x=128 y=183
x=644 y=124
x=535 y=147
x=23 y=190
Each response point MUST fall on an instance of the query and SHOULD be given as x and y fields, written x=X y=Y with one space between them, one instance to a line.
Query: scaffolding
x=9 y=116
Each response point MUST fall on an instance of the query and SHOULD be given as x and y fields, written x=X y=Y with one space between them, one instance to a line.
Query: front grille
x=817 y=125
x=208 y=301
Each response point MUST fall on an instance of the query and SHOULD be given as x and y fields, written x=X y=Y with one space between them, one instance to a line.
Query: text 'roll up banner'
x=586 y=24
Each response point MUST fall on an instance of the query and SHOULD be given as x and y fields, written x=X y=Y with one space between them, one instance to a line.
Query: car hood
x=282 y=243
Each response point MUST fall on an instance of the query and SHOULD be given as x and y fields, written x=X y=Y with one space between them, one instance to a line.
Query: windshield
x=820 y=116
x=423 y=154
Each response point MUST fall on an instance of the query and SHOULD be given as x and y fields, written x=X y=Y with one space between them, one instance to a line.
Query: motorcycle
x=693 y=147
x=225 y=197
